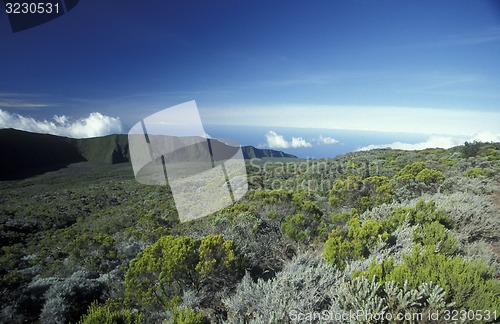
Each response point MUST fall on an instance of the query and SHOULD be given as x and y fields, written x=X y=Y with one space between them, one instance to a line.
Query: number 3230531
x=31 y=8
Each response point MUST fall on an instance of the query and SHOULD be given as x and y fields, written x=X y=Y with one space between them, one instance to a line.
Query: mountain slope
x=25 y=154
x=250 y=152
x=107 y=149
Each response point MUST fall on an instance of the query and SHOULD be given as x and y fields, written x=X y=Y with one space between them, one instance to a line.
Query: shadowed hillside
x=25 y=154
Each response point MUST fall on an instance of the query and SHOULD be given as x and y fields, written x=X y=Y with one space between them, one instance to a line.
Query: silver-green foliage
x=304 y=285
x=360 y=294
x=307 y=285
x=66 y=299
x=373 y=300
x=475 y=216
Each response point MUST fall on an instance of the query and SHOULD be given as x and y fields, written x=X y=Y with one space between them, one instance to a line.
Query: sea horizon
x=311 y=143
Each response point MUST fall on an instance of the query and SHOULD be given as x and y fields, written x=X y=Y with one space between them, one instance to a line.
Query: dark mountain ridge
x=24 y=154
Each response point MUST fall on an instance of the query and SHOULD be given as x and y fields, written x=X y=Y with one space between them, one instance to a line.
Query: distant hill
x=250 y=152
x=24 y=154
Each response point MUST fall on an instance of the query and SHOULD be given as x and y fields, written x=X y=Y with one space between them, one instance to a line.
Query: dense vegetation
x=385 y=232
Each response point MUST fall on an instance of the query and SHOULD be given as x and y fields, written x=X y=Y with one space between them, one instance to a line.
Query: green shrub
x=345 y=191
x=415 y=174
x=102 y=314
x=354 y=244
x=422 y=213
x=477 y=172
x=430 y=176
x=491 y=152
x=304 y=225
x=296 y=227
x=359 y=193
x=470 y=149
x=469 y=284
x=160 y=273
x=410 y=171
x=340 y=219
x=186 y=316
x=435 y=234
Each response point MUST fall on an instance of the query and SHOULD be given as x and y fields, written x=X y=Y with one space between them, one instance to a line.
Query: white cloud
x=61 y=119
x=275 y=140
x=437 y=142
x=94 y=125
x=327 y=140
x=300 y=142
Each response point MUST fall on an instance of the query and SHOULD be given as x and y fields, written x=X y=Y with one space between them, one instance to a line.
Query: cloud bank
x=437 y=142
x=96 y=124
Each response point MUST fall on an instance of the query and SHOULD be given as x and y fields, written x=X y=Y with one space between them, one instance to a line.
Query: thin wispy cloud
x=446 y=84
x=486 y=36
x=432 y=121
x=94 y=125
x=21 y=101
x=304 y=80
x=21 y=105
x=490 y=35
x=320 y=78
x=436 y=80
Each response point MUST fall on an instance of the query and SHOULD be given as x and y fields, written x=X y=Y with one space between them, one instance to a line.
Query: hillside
x=25 y=154
x=410 y=232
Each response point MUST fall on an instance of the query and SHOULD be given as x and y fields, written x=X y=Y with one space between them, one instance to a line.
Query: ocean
x=313 y=143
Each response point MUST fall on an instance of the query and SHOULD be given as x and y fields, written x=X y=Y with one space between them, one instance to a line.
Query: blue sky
x=428 y=67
